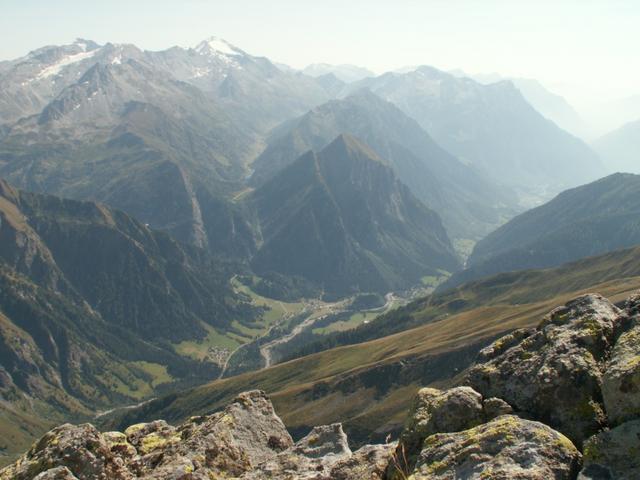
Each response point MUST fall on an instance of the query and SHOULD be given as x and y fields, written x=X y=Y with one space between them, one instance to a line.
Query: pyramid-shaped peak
x=348 y=145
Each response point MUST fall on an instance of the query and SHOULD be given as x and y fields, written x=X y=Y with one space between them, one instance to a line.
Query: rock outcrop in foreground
x=561 y=401
x=245 y=441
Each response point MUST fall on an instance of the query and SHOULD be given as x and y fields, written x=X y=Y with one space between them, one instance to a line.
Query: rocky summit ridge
x=559 y=401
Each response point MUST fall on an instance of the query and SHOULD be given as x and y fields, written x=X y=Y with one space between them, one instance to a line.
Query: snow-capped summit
x=217 y=46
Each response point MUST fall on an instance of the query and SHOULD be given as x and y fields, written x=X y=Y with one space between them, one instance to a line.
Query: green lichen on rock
x=553 y=374
x=613 y=454
x=504 y=448
x=621 y=379
x=157 y=441
x=81 y=449
x=435 y=411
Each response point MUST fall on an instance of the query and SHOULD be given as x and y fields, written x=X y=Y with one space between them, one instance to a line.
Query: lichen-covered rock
x=81 y=449
x=613 y=454
x=435 y=411
x=621 y=378
x=223 y=445
x=504 y=449
x=147 y=437
x=366 y=463
x=119 y=445
x=553 y=373
x=247 y=433
x=503 y=344
x=58 y=473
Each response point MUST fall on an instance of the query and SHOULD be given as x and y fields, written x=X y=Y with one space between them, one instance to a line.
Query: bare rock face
x=328 y=441
x=506 y=448
x=553 y=373
x=311 y=458
x=621 y=379
x=613 y=454
x=368 y=462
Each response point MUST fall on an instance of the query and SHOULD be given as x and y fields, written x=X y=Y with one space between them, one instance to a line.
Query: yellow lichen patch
x=591 y=325
x=115 y=438
x=501 y=427
x=525 y=355
x=487 y=474
x=134 y=429
x=564 y=442
x=434 y=467
x=488 y=369
x=499 y=344
x=155 y=441
x=632 y=363
x=431 y=441
x=228 y=419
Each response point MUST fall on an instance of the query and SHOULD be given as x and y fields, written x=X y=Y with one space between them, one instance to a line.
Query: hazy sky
x=585 y=50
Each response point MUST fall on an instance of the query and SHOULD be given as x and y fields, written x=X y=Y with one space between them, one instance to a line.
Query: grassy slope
x=369 y=385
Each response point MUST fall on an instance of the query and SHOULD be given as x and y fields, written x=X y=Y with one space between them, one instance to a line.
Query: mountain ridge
x=580 y=222
x=619 y=148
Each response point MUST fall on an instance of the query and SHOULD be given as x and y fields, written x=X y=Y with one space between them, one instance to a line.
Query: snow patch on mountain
x=57 y=67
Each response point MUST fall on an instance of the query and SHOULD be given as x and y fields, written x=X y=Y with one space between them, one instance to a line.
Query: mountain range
x=75 y=118
x=345 y=72
x=468 y=202
x=116 y=124
x=491 y=127
x=233 y=77
x=170 y=219
x=549 y=104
